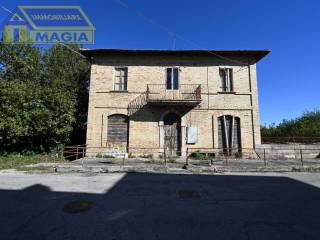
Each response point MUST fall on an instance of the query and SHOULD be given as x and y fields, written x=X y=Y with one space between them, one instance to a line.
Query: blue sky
x=288 y=78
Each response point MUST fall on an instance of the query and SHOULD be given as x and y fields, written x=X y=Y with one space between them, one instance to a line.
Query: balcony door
x=172 y=83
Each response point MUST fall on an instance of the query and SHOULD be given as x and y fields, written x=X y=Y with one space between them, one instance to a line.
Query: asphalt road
x=160 y=206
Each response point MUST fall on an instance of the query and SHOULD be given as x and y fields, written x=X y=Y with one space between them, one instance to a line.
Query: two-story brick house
x=171 y=100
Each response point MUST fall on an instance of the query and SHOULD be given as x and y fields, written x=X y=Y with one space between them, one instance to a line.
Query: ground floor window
x=229 y=134
x=118 y=132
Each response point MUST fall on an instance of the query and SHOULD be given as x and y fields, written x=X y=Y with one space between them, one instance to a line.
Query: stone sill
x=227 y=92
x=114 y=91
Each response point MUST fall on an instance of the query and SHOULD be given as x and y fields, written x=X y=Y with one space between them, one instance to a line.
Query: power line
x=173 y=33
x=58 y=43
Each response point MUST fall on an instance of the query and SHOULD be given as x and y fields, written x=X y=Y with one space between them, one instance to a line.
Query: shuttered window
x=226 y=79
x=229 y=135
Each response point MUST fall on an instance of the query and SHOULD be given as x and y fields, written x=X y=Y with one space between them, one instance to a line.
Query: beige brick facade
x=146 y=124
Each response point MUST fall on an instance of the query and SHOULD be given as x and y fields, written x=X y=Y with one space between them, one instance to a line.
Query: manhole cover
x=188 y=194
x=78 y=206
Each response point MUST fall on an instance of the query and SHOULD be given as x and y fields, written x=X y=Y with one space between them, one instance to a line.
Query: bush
x=202 y=156
x=131 y=155
x=149 y=156
x=308 y=125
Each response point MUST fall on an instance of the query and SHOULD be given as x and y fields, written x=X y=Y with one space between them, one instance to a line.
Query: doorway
x=118 y=133
x=229 y=134
x=172 y=134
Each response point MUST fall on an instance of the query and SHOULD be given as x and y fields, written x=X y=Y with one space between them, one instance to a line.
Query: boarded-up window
x=229 y=136
x=117 y=130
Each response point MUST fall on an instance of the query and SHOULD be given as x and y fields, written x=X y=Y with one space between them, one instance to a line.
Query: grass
x=149 y=156
x=19 y=162
x=202 y=156
x=104 y=156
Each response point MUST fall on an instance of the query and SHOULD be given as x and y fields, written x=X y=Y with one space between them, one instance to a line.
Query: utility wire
x=58 y=43
x=173 y=33
x=8 y=10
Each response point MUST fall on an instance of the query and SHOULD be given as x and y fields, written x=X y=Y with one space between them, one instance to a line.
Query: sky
x=288 y=78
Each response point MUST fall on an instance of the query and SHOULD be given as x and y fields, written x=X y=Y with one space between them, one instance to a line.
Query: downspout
x=251 y=104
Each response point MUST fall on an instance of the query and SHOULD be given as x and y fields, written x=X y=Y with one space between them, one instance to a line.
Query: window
x=120 y=79
x=229 y=134
x=172 y=78
x=226 y=79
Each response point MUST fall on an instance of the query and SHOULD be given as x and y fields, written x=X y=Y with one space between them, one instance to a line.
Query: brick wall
x=145 y=125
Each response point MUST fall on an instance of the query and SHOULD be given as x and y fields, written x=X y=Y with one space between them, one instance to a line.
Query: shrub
x=202 y=156
x=149 y=156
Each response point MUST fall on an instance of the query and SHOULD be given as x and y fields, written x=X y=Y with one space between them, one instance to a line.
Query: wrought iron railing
x=137 y=103
x=191 y=92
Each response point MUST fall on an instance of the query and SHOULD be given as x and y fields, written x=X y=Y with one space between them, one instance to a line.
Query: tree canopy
x=43 y=96
x=308 y=125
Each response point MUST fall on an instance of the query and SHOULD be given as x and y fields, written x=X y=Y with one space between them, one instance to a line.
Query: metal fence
x=184 y=92
x=270 y=157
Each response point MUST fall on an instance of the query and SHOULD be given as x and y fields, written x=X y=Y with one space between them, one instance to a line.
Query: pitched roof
x=257 y=54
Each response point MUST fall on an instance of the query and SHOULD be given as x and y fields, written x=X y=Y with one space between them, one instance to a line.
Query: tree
x=308 y=125
x=43 y=96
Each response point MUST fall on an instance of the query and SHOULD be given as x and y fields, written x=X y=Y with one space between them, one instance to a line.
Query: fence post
x=77 y=152
x=301 y=158
x=61 y=154
x=226 y=157
x=264 y=157
x=187 y=157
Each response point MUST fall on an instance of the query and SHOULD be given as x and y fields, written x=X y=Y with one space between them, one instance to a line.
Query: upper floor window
x=172 y=78
x=120 y=79
x=226 y=79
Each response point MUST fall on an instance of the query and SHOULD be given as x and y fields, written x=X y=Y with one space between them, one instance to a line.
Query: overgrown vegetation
x=308 y=125
x=43 y=97
x=104 y=156
x=202 y=156
x=149 y=156
x=20 y=161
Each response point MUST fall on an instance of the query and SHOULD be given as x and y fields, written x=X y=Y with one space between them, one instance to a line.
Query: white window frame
x=229 y=83
x=172 y=78
x=125 y=83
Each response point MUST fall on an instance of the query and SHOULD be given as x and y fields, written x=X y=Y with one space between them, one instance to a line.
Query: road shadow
x=168 y=206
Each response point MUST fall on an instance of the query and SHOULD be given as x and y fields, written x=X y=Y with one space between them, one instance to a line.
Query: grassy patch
x=202 y=156
x=149 y=156
x=18 y=161
x=104 y=156
x=42 y=169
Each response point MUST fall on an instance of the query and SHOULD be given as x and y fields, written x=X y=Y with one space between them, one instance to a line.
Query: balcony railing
x=157 y=94
x=186 y=93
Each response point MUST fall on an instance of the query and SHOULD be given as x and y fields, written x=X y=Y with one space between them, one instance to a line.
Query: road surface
x=160 y=206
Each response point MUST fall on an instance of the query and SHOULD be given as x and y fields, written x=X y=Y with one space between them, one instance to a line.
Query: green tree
x=308 y=125
x=43 y=96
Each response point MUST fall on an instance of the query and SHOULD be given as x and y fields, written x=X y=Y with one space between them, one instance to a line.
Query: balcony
x=187 y=95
